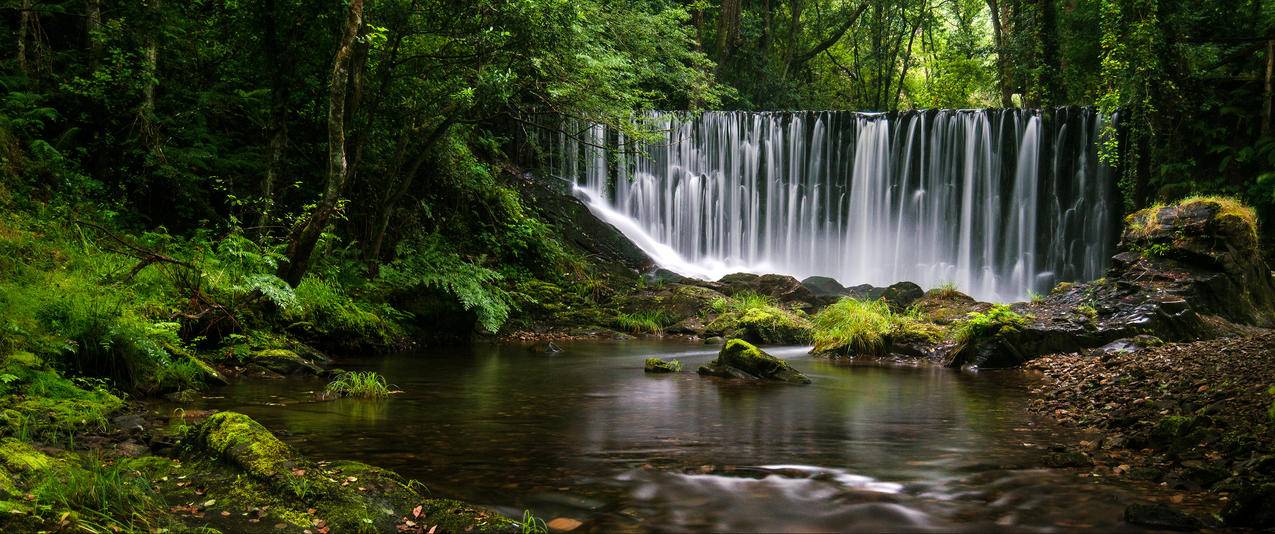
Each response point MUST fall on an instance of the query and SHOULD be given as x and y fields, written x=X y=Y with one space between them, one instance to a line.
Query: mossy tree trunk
x=306 y=236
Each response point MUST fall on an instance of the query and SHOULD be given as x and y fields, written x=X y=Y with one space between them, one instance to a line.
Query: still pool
x=585 y=434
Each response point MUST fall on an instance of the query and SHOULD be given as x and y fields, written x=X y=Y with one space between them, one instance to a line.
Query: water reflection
x=585 y=433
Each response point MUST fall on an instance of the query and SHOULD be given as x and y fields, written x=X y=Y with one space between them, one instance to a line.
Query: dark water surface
x=586 y=434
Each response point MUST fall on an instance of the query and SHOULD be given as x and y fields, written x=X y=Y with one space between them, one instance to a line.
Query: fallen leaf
x=416 y=512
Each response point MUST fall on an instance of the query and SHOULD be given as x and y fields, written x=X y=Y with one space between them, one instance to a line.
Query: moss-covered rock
x=343 y=496
x=656 y=365
x=757 y=319
x=740 y=359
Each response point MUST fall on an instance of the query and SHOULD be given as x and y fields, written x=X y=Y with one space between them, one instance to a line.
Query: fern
x=426 y=263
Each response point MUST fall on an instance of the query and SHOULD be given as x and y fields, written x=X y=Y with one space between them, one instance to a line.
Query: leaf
x=416 y=512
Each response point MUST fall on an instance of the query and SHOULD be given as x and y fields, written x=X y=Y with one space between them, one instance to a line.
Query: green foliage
x=325 y=308
x=999 y=319
x=358 y=384
x=109 y=496
x=646 y=321
x=1271 y=411
x=852 y=326
x=532 y=524
x=427 y=263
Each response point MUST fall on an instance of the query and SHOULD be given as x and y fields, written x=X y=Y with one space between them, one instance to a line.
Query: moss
x=456 y=516
x=20 y=458
x=656 y=365
x=997 y=321
x=758 y=319
x=24 y=359
x=1227 y=208
x=245 y=442
x=740 y=359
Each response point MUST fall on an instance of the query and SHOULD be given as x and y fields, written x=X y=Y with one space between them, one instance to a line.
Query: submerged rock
x=656 y=365
x=740 y=359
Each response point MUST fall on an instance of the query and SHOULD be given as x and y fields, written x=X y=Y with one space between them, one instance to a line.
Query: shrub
x=428 y=263
x=363 y=385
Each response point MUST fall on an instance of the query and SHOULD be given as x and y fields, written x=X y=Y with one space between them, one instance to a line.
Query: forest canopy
x=299 y=117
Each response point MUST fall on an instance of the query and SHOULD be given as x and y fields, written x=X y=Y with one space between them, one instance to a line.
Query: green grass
x=361 y=385
x=853 y=326
x=647 y=321
x=532 y=524
x=1000 y=318
x=107 y=496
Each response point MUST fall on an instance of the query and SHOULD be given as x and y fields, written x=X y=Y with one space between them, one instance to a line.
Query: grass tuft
x=648 y=321
x=362 y=385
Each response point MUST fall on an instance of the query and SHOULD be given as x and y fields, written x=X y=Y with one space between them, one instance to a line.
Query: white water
x=1000 y=203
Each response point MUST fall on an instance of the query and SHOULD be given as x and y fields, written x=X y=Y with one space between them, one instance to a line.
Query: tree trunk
x=1002 y=61
x=727 y=26
x=151 y=58
x=405 y=185
x=301 y=245
x=907 y=55
x=24 y=22
x=92 y=29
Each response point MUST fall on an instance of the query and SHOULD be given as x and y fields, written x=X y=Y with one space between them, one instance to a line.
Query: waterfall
x=1000 y=203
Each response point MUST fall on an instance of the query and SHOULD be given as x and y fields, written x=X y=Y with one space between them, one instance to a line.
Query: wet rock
x=1064 y=459
x=782 y=288
x=1160 y=516
x=284 y=362
x=865 y=292
x=656 y=365
x=129 y=422
x=546 y=347
x=740 y=359
x=690 y=326
x=714 y=340
x=901 y=295
x=579 y=228
x=826 y=289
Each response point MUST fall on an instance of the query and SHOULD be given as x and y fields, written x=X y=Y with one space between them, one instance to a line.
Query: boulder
x=782 y=288
x=827 y=290
x=659 y=276
x=740 y=359
x=1184 y=272
x=901 y=295
x=656 y=365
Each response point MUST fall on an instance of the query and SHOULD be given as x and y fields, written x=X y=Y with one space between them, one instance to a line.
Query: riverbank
x=1194 y=416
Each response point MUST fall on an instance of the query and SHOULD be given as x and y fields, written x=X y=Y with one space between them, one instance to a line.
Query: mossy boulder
x=656 y=365
x=740 y=359
x=769 y=325
x=284 y=362
x=343 y=496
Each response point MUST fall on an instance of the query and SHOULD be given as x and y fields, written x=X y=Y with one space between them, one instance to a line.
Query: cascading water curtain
x=1000 y=203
